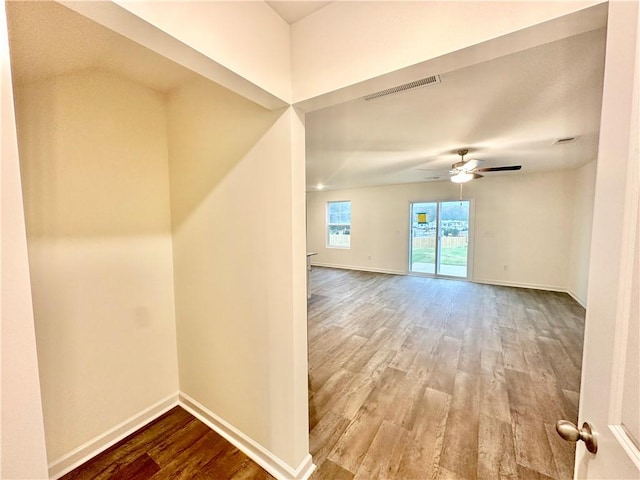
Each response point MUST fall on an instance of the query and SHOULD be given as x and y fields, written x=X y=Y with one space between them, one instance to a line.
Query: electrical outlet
x=505 y=268
x=369 y=257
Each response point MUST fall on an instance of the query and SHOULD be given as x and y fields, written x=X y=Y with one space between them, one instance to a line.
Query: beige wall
x=352 y=65
x=307 y=59
x=243 y=46
x=522 y=220
x=96 y=180
x=248 y=38
x=101 y=251
x=369 y=39
x=22 y=444
x=238 y=313
x=585 y=184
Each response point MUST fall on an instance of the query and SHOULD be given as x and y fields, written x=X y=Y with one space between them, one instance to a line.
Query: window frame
x=328 y=224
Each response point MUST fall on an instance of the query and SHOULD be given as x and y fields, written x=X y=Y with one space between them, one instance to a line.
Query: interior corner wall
x=585 y=184
x=521 y=220
x=96 y=180
x=22 y=442
x=237 y=249
x=369 y=39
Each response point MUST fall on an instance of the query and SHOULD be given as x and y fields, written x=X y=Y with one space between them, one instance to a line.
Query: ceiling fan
x=466 y=170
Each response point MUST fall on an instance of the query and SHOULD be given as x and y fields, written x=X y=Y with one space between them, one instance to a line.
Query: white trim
x=624 y=315
x=327 y=225
x=76 y=457
x=471 y=231
x=362 y=269
x=263 y=457
x=533 y=286
x=628 y=445
x=583 y=303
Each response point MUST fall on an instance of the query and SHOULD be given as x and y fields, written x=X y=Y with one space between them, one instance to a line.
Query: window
x=339 y=224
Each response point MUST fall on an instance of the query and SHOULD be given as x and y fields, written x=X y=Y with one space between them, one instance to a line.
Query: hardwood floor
x=176 y=446
x=409 y=378
x=420 y=378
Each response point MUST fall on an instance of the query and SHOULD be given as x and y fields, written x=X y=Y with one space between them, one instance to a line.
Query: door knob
x=570 y=433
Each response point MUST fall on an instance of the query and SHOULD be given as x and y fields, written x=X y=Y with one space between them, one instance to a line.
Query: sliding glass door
x=424 y=233
x=440 y=238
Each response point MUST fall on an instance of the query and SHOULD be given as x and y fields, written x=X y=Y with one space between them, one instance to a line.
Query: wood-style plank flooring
x=420 y=378
x=410 y=378
x=176 y=446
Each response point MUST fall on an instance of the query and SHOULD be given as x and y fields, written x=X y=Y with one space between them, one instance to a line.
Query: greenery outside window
x=339 y=224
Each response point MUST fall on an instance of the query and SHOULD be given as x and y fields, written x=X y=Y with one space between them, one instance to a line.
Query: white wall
x=358 y=62
x=238 y=241
x=22 y=444
x=522 y=220
x=97 y=190
x=248 y=38
x=348 y=42
x=585 y=183
x=96 y=179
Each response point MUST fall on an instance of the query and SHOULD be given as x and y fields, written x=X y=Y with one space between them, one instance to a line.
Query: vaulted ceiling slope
x=510 y=110
x=291 y=12
x=48 y=39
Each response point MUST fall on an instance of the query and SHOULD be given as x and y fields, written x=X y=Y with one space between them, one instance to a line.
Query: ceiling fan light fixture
x=462 y=177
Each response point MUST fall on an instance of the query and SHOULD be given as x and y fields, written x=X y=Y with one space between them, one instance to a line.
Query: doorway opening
x=439 y=240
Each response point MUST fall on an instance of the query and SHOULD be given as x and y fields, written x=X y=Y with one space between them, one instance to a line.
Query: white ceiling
x=507 y=111
x=291 y=12
x=47 y=39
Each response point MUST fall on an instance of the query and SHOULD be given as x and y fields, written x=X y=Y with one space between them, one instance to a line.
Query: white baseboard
x=583 y=303
x=534 y=286
x=76 y=457
x=361 y=269
x=252 y=449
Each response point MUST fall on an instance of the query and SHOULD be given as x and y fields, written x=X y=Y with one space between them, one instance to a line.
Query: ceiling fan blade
x=430 y=169
x=466 y=166
x=499 y=169
x=470 y=165
x=477 y=175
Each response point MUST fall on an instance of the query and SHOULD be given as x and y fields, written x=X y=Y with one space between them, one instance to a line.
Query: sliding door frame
x=438 y=249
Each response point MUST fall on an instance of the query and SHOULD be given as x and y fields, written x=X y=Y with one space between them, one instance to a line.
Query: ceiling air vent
x=432 y=80
x=562 y=141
